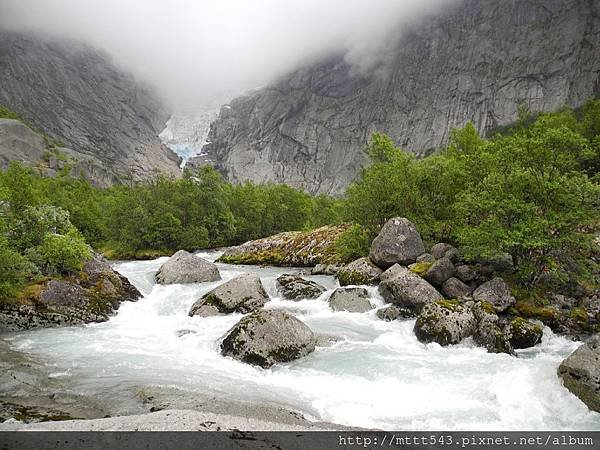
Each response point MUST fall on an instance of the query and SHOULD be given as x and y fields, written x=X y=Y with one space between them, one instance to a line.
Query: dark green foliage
x=533 y=193
x=48 y=222
x=353 y=243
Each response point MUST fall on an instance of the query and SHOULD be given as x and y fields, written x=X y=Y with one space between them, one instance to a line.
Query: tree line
x=531 y=190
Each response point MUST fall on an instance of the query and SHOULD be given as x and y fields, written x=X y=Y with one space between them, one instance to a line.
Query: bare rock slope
x=102 y=117
x=476 y=62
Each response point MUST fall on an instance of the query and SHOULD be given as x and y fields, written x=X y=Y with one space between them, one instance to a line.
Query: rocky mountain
x=102 y=118
x=476 y=62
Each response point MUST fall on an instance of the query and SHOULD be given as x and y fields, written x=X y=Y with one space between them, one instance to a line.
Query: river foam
x=375 y=375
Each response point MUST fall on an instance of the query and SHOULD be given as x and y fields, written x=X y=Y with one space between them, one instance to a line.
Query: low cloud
x=196 y=51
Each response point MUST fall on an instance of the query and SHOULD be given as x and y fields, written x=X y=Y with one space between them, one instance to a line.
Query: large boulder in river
x=398 y=242
x=361 y=271
x=393 y=312
x=294 y=287
x=242 y=294
x=445 y=322
x=265 y=338
x=523 y=334
x=183 y=268
x=488 y=332
x=353 y=299
x=440 y=271
x=495 y=292
x=406 y=289
x=580 y=373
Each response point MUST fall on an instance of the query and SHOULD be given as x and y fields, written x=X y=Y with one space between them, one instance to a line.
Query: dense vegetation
x=48 y=222
x=531 y=191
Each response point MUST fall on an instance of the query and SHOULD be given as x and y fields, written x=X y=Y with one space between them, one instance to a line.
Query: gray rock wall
x=75 y=95
x=476 y=63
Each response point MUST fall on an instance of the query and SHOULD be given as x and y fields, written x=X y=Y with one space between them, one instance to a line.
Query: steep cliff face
x=476 y=63
x=108 y=122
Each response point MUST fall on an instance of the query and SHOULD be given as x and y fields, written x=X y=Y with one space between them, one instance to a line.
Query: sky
x=198 y=51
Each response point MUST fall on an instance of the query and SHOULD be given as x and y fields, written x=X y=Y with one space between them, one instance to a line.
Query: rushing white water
x=377 y=375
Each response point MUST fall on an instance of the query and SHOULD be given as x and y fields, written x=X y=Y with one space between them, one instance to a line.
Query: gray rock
x=475 y=63
x=392 y=312
x=488 y=332
x=352 y=299
x=443 y=250
x=326 y=340
x=465 y=274
x=19 y=143
x=405 y=289
x=445 y=322
x=183 y=267
x=361 y=271
x=75 y=94
x=580 y=373
x=426 y=258
x=294 y=287
x=495 y=292
x=265 y=338
x=326 y=269
x=523 y=334
x=398 y=242
x=203 y=310
x=64 y=293
x=242 y=294
x=454 y=288
x=440 y=271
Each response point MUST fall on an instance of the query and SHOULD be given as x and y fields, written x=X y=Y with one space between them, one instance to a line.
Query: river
x=376 y=375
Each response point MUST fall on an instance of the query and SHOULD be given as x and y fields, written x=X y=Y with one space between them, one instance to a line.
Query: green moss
x=488 y=307
x=421 y=268
x=579 y=314
x=451 y=305
x=351 y=277
x=546 y=314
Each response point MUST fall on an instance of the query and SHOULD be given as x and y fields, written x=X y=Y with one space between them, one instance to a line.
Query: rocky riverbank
x=92 y=295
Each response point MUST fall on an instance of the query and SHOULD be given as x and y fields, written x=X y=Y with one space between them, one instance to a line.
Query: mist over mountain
x=196 y=51
x=478 y=62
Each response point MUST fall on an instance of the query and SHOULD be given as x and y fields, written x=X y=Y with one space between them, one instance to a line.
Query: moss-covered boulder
x=292 y=249
x=445 y=322
x=294 y=287
x=265 y=338
x=580 y=373
x=361 y=271
x=92 y=295
x=523 y=334
x=242 y=294
x=489 y=333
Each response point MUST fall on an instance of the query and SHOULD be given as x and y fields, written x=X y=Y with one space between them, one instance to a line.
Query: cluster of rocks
x=266 y=337
x=450 y=299
x=92 y=295
x=263 y=337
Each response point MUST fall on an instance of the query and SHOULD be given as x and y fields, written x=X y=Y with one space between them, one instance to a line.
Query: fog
x=198 y=51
